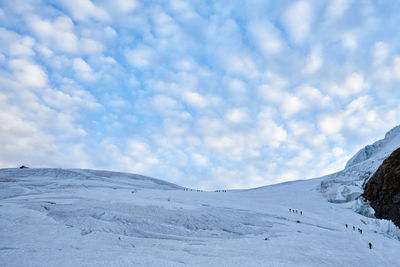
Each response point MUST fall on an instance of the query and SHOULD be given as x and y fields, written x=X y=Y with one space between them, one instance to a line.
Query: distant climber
x=360 y=231
x=370 y=245
x=301 y=212
x=354 y=228
x=346 y=225
x=290 y=210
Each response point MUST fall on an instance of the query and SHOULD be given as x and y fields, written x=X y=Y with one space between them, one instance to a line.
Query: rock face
x=383 y=189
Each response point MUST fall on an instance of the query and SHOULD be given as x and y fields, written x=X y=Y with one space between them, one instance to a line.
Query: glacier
x=76 y=217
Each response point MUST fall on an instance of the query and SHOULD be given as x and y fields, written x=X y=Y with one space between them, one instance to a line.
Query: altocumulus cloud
x=204 y=94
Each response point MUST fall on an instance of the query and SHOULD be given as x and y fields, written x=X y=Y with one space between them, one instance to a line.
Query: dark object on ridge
x=346 y=225
x=354 y=228
x=301 y=212
x=370 y=245
x=383 y=189
x=298 y=221
x=23 y=167
x=290 y=210
x=266 y=238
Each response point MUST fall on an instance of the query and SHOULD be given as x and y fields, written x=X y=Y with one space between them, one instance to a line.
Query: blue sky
x=207 y=94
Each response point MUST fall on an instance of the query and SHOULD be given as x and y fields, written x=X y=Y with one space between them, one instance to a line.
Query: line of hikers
x=354 y=228
x=360 y=231
x=295 y=211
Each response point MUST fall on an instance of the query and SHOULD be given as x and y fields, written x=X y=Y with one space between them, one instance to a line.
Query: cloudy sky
x=207 y=94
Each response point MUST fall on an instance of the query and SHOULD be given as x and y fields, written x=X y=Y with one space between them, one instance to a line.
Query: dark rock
x=23 y=167
x=383 y=189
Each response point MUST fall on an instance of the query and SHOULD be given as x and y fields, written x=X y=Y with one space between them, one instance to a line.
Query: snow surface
x=62 y=217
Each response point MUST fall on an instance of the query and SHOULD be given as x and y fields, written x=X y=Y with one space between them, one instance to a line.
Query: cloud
x=90 y=46
x=354 y=84
x=216 y=95
x=237 y=86
x=195 y=99
x=83 y=10
x=164 y=103
x=266 y=37
x=83 y=70
x=241 y=64
x=200 y=160
x=123 y=6
x=290 y=105
x=237 y=115
x=28 y=73
x=58 y=33
x=337 y=8
x=349 y=40
x=140 y=57
x=298 y=20
x=314 y=61
x=380 y=52
x=390 y=72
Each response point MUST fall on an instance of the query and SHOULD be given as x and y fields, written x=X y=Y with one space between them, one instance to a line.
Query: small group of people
x=360 y=231
x=295 y=211
x=354 y=228
x=196 y=190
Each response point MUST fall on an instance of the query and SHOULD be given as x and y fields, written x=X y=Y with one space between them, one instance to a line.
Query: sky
x=205 y=94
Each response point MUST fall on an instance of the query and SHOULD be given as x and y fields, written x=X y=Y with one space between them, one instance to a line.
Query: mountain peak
x=379 y=150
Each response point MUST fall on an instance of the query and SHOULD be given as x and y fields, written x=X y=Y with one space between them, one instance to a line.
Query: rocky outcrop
x=383 y=189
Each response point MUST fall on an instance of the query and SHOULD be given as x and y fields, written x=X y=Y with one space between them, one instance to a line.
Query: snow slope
x=58 y=217
x=61 y=217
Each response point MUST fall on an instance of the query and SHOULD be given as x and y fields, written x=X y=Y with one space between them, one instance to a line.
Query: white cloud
x=237 y=115
x=237 y=86
x=83 y=10
x=163 y=102
x=23 y=47
x=28 y=73
x=141 y=155
x=331 y=124
x=90 y=46
x=241 y=65
x=349 y=41
x=199 y=159
x=389 y=73
x=314 y=61
x=83 y=71
x=270 y=132
x=312 y=98
x=298 y=20
x=16 y=45
x=195 y=99
x=291 y=105
x=354 y=83
x=266 y=37
x=124 y=6
x=336 y=8
x=164 y=25
x=58 y=33
x=140 y=57
x=380 y=52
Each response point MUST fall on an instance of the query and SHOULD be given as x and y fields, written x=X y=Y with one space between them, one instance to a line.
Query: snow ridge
x=347 y=185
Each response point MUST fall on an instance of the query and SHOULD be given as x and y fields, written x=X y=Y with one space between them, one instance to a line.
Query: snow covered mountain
x=347 y=185
x=61 y=217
